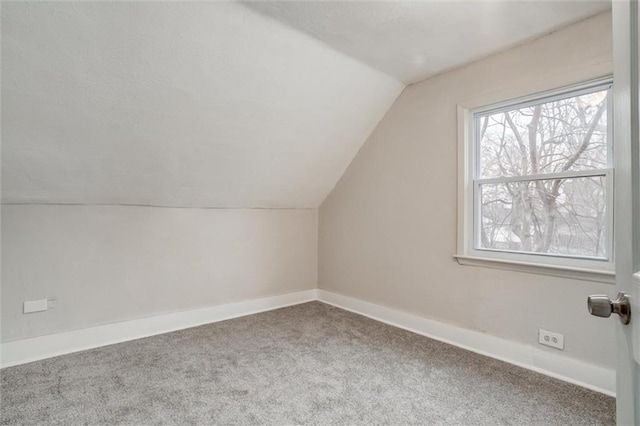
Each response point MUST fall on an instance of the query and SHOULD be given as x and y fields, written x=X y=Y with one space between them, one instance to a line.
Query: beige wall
x=388 y=230
x=108 y=264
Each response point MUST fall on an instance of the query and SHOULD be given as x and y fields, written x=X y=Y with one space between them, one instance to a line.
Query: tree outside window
x=543 y=175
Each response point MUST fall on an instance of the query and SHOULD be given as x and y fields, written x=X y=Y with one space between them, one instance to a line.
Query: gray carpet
x=310 y=363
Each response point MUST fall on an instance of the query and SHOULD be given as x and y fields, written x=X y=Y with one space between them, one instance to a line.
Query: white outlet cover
x=548 y=338
x=35 y=306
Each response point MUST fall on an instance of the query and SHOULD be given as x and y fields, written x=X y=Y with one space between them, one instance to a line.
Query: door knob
x=601 y=306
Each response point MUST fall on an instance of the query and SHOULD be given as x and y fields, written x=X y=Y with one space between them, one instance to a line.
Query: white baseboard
x=570 y=370
x=561 y=367
x=37 y=348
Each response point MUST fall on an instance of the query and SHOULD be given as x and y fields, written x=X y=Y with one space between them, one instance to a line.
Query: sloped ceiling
x=221 y=104
x=412 y=40
x=176 y=104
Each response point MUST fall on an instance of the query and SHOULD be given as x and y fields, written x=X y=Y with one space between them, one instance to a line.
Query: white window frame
x=584 y=268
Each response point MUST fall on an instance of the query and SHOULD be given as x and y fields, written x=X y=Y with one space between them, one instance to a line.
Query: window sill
x=601 y=276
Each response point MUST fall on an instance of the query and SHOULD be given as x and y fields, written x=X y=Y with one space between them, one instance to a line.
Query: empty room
x=320 y=212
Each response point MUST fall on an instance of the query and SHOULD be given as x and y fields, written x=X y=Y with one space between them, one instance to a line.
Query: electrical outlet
x=548 y=338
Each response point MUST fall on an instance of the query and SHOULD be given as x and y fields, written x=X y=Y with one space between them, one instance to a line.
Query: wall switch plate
x=35 y=306
x=548 y=338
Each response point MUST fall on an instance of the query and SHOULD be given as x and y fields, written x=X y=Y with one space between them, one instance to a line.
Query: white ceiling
x=412 y=40
x=176 y=104
x=215 y=104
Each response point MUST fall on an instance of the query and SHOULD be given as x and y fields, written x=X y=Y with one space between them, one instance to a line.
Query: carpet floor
x=306 y=364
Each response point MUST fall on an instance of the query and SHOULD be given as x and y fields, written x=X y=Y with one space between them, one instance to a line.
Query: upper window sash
x=539 y=99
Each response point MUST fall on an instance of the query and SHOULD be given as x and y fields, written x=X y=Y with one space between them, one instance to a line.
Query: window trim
x=565 y=266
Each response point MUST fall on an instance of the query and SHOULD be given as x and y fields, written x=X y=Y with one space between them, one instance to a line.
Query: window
x=538 y=181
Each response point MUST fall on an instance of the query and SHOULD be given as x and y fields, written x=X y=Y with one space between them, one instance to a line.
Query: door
x=627 y=211
x=627 y=207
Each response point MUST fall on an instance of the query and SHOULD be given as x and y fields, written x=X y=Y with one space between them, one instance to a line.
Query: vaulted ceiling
x=219 y=104
x=177 y=104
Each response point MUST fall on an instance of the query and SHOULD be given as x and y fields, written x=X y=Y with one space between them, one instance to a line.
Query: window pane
x=553 y=216
x=563 y=135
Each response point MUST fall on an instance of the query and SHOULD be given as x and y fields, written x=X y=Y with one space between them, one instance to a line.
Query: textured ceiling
x=219 y=104
x=176 y=104
x=412 y=40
